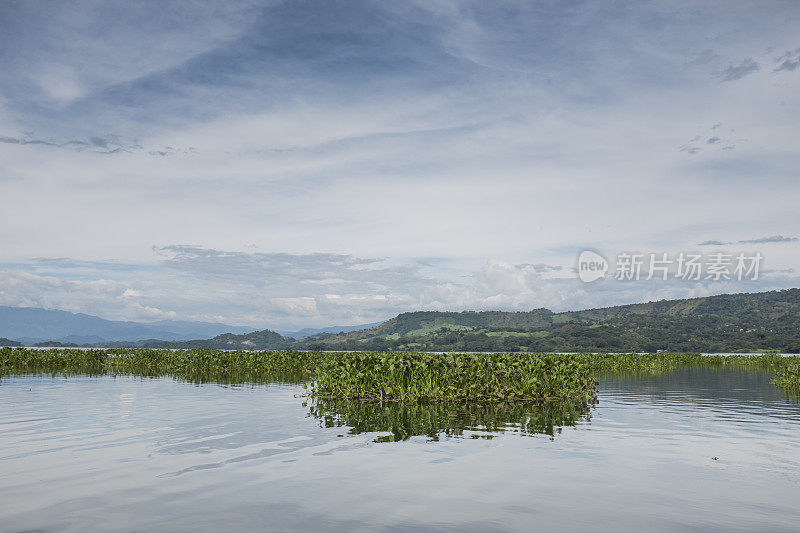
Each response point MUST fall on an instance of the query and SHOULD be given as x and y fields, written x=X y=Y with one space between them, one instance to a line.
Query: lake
x=124 y=453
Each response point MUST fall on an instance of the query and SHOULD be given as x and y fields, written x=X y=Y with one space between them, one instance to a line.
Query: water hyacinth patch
x=477 y=377
x=191 y=365
x=789 y=376
x=647 y=363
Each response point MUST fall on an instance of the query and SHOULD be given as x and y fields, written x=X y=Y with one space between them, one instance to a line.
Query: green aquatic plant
x=390 y=376
x=788 y=377
x=649 y=364
x=453 y=377
x=190 y=365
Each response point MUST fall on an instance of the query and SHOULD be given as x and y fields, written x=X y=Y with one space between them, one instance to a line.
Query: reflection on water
x=122 y=453
x=403 y=421
x=738 y=393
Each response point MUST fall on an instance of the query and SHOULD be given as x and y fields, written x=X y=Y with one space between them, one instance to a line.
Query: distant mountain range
x=308 y=332
x=31 y=325
x=753 y=322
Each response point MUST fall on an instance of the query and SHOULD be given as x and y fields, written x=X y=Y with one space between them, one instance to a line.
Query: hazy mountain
x=257 y=340
x=8 y=342
x=36 y=325
x=307 y=332
x=727 y=323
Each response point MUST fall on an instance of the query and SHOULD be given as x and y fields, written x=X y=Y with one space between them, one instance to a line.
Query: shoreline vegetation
x=401 y=377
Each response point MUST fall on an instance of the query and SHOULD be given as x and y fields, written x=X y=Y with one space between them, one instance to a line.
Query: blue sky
x=290 y=164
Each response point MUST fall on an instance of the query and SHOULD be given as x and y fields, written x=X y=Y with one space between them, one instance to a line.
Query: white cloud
x=301 y=307
x=131 y=293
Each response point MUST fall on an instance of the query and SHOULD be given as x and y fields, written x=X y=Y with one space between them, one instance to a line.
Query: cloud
x=774 y=238
x=304 y=306
x=60 y=82
x=18 y=140
x=102 y=145
x=97 y=295
x=326 y=288
x=442 y=138
x=703 y=58
x=790 y=61
x=737 y=72
x=713 y=243
x=762 y=240
x=65 y=55
x=544 y=267
x=99 y=142
x=712 y=139
x=282 y=290
x=107 y=144
x=276 y=270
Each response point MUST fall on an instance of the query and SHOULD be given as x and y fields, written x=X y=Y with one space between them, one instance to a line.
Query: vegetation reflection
x=405 y=420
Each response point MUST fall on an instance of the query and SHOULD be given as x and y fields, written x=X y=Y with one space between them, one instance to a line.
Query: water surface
x=122 y=453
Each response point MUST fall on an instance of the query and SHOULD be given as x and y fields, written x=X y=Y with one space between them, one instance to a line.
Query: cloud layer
x=288 y=291
x=466 y=144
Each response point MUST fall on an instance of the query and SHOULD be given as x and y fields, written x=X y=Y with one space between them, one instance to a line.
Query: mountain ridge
x=744 y=322
x=307 y=332
x=721 y=323
x=32 y=324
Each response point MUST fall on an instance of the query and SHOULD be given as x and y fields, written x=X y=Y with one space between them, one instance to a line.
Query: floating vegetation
x=197 y=366
x=616 y=364
x=405 y=377
x=788 y=377
x=453 y=377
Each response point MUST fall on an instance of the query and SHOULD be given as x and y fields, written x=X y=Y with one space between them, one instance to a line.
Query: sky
x=315 y=163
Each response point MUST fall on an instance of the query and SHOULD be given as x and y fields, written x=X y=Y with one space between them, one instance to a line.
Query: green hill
x=755 y=322
x=257 y=340
x=9 y=342
x=725 y=323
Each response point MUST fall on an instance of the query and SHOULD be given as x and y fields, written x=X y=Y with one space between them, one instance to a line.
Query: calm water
x=130 y=454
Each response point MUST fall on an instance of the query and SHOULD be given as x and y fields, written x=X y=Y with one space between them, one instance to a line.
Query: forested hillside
x=725 y=323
